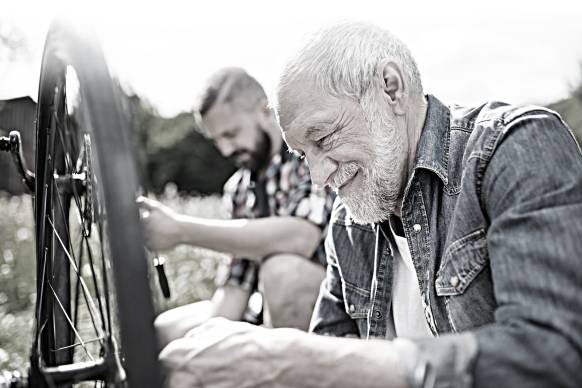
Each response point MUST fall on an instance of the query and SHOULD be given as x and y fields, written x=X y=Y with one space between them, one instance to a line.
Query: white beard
x=379 y=195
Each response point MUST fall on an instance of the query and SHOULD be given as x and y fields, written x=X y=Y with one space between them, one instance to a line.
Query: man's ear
x=393 y=85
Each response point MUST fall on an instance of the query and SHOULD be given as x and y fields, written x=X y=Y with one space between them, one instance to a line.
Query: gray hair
x=343 y=59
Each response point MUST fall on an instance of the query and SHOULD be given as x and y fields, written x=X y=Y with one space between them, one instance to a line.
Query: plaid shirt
x=285 y=189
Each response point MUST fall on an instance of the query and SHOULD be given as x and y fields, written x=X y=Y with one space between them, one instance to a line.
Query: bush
x=190 y=271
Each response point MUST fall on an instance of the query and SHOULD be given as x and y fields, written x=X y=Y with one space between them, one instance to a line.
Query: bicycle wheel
x=87 y=226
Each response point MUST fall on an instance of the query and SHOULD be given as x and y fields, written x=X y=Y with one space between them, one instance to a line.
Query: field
x=190 y=270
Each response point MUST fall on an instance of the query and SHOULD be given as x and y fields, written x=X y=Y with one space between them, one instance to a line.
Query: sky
x=468 y=52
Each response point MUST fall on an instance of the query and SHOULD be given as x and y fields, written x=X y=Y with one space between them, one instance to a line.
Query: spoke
x=71 y=144
x=40 y=326
x=70 y=322
x=63 y=215
x=70 y=171
x=93 y=273
x=78 y=283
x=77 y=199
x=105 y=281
x=99 y=339
x=68 y=253
x=89 y=300
x=91 y=261
x=42 y=233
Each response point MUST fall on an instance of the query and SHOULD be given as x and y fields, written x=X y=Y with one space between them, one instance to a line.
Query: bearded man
x=453 y=248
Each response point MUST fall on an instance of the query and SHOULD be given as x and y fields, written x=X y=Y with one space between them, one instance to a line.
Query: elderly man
x=276 y=234
x=453 y=248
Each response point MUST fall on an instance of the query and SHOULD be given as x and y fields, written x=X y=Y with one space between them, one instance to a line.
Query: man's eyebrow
x=314 y=130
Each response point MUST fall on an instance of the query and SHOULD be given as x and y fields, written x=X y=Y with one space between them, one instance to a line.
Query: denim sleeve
x=532 y=194
x=329 y=315
x=531 y=191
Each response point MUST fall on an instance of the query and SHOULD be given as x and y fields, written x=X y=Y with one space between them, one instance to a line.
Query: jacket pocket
x=357 y=305
x=356 y=301
x=462 y=263
x=464 y=283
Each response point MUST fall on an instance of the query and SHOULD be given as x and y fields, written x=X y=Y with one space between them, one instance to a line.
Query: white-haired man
x=453 y=247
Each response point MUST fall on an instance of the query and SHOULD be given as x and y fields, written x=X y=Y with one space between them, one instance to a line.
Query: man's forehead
x=217 y=120
x=293 y=99
x=308 y=110
x=224 y=113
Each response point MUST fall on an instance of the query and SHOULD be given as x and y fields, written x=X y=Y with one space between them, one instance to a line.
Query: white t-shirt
x=407 y=314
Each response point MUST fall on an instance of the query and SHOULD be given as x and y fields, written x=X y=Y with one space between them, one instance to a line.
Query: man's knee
x=290 y=285
x=176 y=322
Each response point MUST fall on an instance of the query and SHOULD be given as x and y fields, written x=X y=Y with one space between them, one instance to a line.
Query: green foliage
x=571 y=111
x=173 y=150
x=16 y=253
x=17 y=279
x=190 y=270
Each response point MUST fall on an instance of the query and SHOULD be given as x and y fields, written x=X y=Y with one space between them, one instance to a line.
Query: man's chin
x=247 y=163
x=362 y=213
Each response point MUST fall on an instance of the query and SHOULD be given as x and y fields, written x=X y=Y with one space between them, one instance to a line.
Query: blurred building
x=17 y=113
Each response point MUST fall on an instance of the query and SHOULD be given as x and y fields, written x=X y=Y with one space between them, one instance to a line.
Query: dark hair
x=228 y=85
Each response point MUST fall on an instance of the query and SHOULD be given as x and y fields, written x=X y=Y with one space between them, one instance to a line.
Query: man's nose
x=225 y=147
x=320 y=168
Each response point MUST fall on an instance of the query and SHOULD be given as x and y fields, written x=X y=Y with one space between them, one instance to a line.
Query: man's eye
x=324 y=141
x=229 y=134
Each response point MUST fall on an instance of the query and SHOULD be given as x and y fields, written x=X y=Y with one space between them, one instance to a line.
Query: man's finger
x=145 y=203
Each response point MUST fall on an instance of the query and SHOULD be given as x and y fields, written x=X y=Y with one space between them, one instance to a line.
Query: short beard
x=262 y=155
x=382 y=181
x=260 y=158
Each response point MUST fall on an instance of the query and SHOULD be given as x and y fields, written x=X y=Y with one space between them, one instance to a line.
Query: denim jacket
x=493 y=217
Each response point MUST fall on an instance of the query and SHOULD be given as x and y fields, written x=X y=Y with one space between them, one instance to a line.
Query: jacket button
x=378 y=314
x=352 y=308
x=454 y=281
x=417 y=227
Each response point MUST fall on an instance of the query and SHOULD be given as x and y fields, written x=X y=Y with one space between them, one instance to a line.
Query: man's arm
x=532 y=194
x=233 y=354
x=253 y=238
x=532 y=191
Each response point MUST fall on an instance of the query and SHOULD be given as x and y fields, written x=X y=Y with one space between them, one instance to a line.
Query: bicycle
x=87 y=226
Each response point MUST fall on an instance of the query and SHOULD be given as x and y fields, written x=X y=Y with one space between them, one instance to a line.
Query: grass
x=190 y=271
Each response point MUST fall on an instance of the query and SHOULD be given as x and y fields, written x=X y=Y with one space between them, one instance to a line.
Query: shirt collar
x=432 y=152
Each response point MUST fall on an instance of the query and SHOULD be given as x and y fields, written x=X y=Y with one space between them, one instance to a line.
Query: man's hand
x=160 y=224
x=224 y=354
x=228 y=354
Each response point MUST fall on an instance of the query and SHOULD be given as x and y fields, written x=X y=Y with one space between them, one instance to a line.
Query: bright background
x=468 y=52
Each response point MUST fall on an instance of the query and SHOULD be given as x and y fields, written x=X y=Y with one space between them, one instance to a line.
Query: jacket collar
x=432 y=152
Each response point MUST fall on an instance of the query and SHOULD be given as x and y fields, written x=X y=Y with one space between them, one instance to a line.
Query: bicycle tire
x=95 y=127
